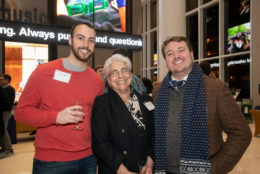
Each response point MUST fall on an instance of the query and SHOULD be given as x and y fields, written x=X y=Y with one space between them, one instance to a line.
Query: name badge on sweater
x=62 y=76
x=149 y=105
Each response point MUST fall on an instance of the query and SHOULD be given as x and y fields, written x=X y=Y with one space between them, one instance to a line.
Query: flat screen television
x=238 y=39
x=108 y=15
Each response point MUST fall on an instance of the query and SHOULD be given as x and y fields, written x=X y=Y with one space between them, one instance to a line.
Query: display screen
x=238 y=38
x=108 y=15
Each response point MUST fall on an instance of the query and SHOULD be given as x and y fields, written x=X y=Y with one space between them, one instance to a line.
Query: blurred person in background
x=99 y=70
x=7 y=149
x=148 y=85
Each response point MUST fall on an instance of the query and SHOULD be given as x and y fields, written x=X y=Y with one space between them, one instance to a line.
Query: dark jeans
x=82 y=166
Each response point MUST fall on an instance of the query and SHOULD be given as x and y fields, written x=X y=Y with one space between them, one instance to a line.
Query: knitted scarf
x=194 y=131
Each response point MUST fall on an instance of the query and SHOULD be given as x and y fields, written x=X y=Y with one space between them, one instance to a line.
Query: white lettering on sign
x=51 y=35
x=101 y=39
x=38 y=34
x=63 y=36
x=7 y=31
x=128 y=42
x=241 y=61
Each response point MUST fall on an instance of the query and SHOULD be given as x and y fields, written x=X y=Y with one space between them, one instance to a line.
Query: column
x=171 y=22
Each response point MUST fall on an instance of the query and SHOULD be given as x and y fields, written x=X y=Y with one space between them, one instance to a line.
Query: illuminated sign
x=237 y=62
x=45 y=34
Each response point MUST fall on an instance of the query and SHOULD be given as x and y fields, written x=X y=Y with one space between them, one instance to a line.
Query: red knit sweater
x=42 y=99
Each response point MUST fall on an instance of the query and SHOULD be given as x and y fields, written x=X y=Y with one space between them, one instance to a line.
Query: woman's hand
x=149 y=165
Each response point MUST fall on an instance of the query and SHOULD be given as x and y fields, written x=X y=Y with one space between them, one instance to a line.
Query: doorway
x=21 y=59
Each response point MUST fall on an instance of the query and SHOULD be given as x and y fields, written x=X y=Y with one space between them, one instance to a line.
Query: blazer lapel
x=119 y=110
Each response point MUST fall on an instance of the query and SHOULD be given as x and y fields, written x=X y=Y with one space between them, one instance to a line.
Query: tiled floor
x=21 y=162
x=250 y=162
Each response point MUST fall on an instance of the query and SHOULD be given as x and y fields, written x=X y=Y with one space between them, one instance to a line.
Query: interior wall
x=255 y=70
x=137 y=29
x=136 y=17
x=63 y=50
x=13 y=65
x=137 y=62
x=1 y=57
x=101 y=55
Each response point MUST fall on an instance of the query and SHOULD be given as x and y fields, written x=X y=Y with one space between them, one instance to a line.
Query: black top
x=3 y=104
x=11 y=96
x=115 y=136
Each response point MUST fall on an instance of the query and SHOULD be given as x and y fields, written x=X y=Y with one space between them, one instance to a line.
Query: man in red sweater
x=57 y=100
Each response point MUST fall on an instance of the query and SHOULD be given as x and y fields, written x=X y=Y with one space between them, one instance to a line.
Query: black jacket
x=3 y=104
x=115 y=137
x=10 y=91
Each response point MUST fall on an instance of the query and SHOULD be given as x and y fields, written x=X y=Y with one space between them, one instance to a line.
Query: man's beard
x=82 y=58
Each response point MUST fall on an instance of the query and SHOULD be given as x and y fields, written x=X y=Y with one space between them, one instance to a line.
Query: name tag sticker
x=149 y=105
x=62 y=76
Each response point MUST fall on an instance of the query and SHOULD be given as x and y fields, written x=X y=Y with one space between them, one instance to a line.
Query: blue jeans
x=82 y=166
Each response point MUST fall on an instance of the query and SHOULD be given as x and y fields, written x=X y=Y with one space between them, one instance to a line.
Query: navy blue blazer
x=115 y=136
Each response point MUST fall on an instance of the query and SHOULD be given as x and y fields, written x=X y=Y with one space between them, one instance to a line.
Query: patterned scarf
x=135 y=110
x=194 y=131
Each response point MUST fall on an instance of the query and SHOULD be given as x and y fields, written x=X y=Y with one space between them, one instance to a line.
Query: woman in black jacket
x=122 y=123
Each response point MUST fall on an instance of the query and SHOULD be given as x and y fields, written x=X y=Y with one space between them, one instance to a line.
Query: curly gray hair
x=116 y=58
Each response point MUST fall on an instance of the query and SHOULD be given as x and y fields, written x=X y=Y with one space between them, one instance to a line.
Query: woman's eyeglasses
x=115 y=73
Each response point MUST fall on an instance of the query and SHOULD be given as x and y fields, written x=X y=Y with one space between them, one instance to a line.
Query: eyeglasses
x=115 y=73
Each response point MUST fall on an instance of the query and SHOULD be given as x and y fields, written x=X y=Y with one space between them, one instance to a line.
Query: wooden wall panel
x=13 y=65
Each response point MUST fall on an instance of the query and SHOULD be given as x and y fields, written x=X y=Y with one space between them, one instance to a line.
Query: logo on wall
x=18 y=15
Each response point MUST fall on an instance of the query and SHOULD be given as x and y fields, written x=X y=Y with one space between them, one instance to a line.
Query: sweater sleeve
x=28 y=109
x=236 y=128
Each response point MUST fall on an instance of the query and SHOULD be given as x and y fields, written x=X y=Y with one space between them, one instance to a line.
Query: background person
x=191 y=113
x=58 y=99
x=205 y=67
x=148 y=85
x=99 y=70
x=3 y=104
x=122 y=123
x=6 y=143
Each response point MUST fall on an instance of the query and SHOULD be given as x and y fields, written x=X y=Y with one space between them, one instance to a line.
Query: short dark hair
x=83 y=23
x=206 y=68
x=7 y=76
x=148 y=85
x=99 y=66
x=175 y=39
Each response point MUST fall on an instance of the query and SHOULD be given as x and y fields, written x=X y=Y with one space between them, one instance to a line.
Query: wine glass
x=77 y=126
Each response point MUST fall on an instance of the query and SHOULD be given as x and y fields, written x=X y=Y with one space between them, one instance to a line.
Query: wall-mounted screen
x=238 y=38
x=238 y=12
x=109 y=15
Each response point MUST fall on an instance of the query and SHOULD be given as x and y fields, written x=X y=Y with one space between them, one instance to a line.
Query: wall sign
x=12 y=31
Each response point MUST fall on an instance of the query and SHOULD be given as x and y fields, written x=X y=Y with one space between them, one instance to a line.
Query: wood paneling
x=13 y=65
